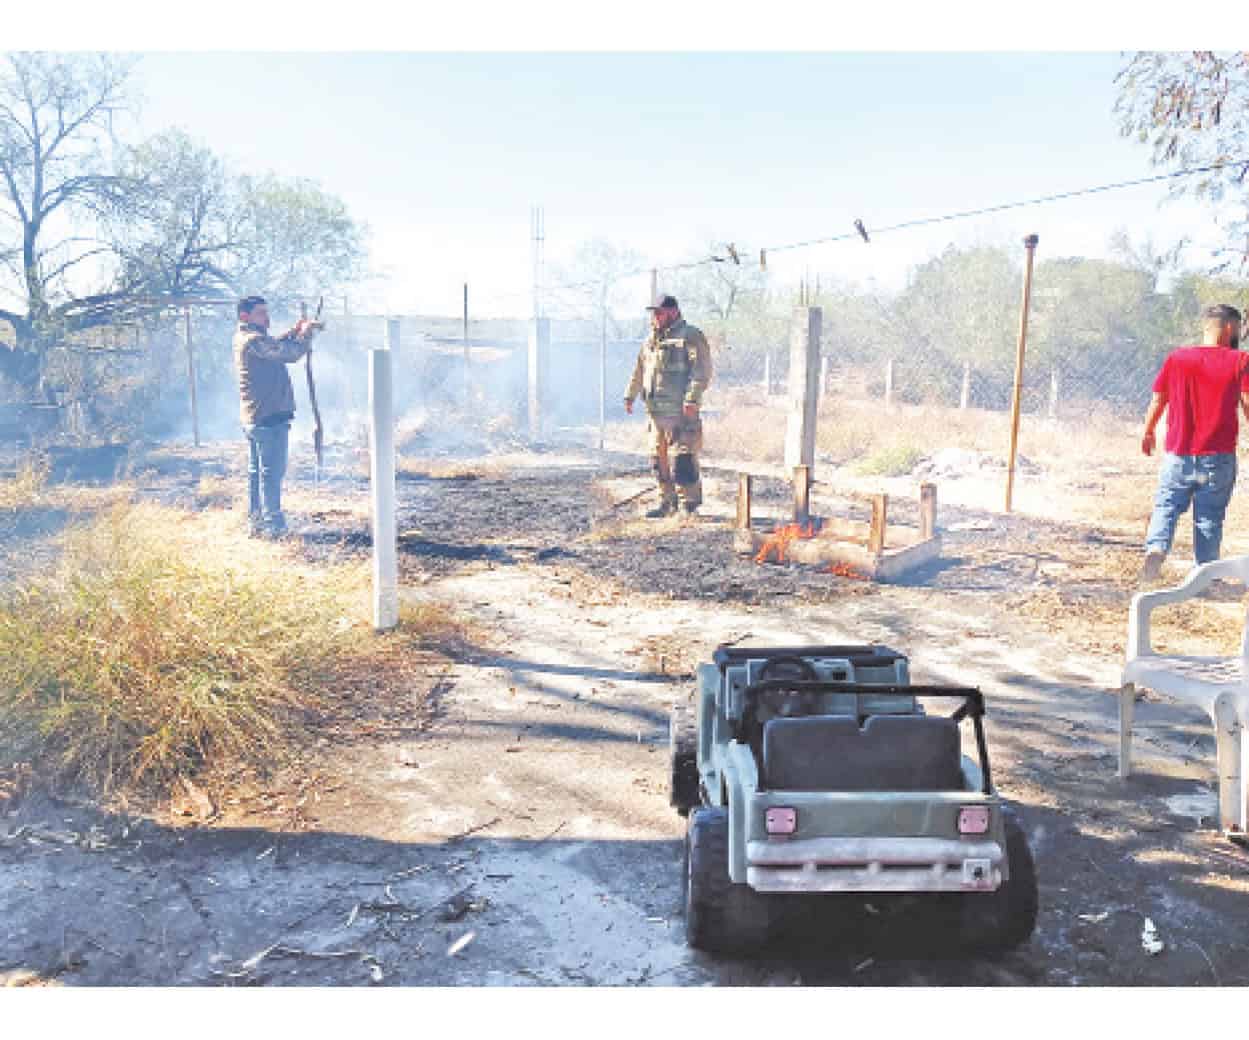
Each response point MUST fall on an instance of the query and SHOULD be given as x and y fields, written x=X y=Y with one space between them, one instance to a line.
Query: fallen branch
x=473 y=830
x=277 y=950
x=553 y=833
x=400 y=875
x=633 y=498
x=1213 y=971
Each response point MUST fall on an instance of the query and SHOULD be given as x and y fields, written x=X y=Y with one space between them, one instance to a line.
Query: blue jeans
x=1204 y=480
x=267 y=446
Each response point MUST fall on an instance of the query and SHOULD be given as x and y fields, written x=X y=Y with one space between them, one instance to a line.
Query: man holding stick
x=267 y=406
x=1199 y=388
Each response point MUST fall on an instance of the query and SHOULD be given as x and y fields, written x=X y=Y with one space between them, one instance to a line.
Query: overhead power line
x=962 y=215
x=860 y=231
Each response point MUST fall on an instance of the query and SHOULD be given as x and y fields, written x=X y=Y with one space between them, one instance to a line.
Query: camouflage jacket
x=673 y=369
x=260 y=363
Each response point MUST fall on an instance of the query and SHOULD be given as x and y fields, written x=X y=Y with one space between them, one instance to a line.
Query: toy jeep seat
x=890 y=753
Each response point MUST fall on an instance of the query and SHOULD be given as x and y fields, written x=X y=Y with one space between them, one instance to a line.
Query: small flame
x=779 y=541
x=844 y=570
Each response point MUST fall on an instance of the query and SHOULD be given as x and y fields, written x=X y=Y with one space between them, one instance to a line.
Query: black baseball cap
x=663 y=302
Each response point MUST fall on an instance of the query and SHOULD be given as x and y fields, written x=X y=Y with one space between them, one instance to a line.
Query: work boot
x=664 y=508
x=691 y=508
x=1152 y=567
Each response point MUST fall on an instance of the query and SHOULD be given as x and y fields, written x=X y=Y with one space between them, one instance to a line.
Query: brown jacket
x=260 y=363
x=673 y=369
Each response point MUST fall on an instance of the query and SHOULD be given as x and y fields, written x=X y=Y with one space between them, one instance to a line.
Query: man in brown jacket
x=672 y=372
x=267 y=406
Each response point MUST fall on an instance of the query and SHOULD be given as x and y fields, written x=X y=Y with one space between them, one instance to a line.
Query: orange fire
x=779 y=541
x=844 y=570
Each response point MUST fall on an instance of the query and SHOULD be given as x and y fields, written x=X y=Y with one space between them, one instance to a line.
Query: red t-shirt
x=1202 y=386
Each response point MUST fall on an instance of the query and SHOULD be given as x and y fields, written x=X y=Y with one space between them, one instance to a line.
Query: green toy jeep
x=820 y=770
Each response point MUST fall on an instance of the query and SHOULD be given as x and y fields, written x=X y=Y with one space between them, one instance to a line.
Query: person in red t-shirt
x=1198 y=388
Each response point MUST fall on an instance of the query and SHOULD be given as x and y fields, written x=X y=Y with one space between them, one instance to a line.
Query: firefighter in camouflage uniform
x=672 y=373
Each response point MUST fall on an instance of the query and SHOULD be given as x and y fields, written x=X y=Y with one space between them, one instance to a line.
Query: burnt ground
x=520 y=835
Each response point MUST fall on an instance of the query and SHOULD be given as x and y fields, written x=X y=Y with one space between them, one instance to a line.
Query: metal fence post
x=1030 y=244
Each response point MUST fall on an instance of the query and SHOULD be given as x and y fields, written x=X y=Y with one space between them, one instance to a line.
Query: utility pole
x=537 y=239
x=539 y=334
x=467 y=380
x=1030 y=244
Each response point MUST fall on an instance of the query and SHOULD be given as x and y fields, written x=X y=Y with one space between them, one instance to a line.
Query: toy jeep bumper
x=874 y=865
x=820 y=770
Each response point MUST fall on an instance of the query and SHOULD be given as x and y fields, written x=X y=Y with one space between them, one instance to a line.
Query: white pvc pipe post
x=382 y=482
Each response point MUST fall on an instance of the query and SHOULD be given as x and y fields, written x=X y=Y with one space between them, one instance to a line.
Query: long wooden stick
x=318 y=431
x=1030 y=244
x=633 y=498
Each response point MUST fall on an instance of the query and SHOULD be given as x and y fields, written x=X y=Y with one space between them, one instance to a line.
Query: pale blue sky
x=443 y=154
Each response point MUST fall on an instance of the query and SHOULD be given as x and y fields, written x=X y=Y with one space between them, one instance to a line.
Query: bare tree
x=601 y=280
x=57 y=114
x=93 y=233
x=719 y=284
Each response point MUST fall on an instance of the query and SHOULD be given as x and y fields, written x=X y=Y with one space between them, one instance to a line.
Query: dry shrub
x=892 y=460
x=166 y=644
x=432 y=624
x=26 y=489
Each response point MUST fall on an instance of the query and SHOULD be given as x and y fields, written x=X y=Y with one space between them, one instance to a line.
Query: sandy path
x=528 y=829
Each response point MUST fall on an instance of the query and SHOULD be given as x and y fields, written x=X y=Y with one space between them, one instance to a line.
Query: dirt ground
x=518 y=832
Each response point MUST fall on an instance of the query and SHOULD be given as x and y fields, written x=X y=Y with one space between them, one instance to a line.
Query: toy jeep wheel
x=684 y=793
x=720 y=916
x=1006 y=919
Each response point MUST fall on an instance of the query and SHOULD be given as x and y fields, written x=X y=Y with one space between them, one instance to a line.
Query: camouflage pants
x=675 y=444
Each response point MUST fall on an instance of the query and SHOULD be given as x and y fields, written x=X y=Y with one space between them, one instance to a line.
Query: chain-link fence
x=915 y=383
x=919 y=383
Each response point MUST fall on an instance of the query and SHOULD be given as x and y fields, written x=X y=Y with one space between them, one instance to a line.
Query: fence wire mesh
x=914 y=383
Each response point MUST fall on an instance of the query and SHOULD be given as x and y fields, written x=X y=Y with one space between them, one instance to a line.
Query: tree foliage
x=1192 y=109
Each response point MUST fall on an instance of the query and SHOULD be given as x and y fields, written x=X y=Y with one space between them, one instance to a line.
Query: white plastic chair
x=1219 y=685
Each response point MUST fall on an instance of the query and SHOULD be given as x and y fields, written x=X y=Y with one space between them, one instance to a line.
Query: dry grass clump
x=416 y=468
x=891 y=460
x=166 y=644
x=753 y=432
x=216 y=492
x=26 y=489
x=852 y=431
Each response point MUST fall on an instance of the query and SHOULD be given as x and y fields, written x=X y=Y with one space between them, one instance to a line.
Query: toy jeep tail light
x=973 y=819
x=781 y=821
